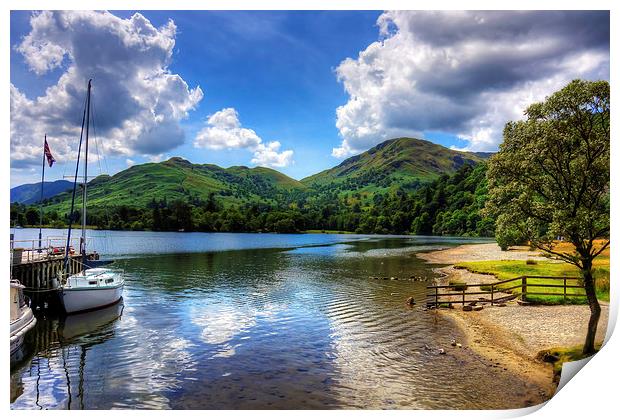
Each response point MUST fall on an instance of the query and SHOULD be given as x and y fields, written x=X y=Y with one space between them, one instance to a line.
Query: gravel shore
x=513 y=335
x=479 y=252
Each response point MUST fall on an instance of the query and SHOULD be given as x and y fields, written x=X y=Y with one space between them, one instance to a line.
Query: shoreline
x=512 y=336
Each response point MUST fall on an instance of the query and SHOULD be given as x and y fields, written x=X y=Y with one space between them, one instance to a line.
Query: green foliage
x=389 y=189
x=451 y=205
x=550 y=178
x=507 y=234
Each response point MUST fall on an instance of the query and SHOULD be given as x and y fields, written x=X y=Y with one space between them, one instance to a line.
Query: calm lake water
x=249 y=321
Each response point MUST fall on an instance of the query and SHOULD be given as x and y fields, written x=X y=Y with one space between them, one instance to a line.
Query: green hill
x=179 y=179
x=399 y=163
x=399 y=186
x=402 y=161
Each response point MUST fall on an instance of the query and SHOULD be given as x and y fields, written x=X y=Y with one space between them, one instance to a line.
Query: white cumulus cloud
x=223 y=130
x=137 y=101
x=464 y=73
x=269 y=155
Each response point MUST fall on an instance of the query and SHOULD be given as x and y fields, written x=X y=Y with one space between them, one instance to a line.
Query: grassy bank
x=507 y=269
x=559 y=355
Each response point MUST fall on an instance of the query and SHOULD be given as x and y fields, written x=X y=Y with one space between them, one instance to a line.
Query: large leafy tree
x=550 y=180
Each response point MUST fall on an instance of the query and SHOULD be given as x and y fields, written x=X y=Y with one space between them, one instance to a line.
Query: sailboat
x=91 y=288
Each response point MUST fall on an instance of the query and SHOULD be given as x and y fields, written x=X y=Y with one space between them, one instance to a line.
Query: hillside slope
x=402 y=163
x=402 y=160
x=179 y=179
x=31 y=193
x=399 y=186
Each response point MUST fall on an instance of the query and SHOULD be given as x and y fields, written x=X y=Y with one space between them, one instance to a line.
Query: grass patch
x=457 y=285
x=557 y=356
x=504 y=270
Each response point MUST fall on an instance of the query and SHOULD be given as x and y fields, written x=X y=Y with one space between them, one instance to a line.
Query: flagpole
x=41 y=200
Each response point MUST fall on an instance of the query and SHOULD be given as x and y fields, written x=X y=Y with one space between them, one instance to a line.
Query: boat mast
x=83 y=239
x=77 y=167
x=41 y=200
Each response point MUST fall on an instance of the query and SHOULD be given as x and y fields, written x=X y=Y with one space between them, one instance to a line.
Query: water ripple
x=316 y=327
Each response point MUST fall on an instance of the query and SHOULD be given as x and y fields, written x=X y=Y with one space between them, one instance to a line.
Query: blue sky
x=277 y=77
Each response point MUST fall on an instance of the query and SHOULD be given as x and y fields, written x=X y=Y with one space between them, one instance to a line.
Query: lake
x=257 y=321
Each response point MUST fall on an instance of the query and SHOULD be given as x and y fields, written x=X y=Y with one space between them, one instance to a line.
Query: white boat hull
x=78 y=300
x=92 y=289
x=20 y=327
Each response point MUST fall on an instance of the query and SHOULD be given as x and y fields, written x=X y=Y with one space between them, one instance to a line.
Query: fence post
x=523 y=287
x=463 y=296
x=564 y=290
x=436 y=297
x=492 y=287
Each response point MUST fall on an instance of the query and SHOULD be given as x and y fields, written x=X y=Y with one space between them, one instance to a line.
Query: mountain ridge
x=405 y=162
x=31 y=193
x=405 y=157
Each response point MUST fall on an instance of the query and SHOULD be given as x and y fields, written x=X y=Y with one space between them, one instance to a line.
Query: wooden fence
x=436 y=295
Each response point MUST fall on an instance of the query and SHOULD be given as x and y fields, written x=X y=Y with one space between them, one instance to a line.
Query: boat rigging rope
x=100 y=156
x=66 y=161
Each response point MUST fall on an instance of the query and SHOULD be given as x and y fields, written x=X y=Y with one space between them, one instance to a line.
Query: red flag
x=48 y=155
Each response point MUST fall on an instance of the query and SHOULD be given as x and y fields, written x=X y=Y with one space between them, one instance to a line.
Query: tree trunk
x=595 y=308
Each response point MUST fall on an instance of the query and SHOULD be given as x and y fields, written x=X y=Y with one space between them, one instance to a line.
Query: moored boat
x=22 y=318
x=91 y=288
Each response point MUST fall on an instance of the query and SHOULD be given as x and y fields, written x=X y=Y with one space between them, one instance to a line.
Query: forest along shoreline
x=512 y=336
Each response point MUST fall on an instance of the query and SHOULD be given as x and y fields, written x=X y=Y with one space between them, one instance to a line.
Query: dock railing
x=29 y=250
x=446 y=294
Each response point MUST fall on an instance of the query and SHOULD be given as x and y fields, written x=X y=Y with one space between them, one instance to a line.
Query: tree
x=550 y=180
x=32 y=216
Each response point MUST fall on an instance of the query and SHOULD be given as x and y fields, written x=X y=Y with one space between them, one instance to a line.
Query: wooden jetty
x=37 y=267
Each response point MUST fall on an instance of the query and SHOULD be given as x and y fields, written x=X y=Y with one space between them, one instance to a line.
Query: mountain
x=400 y=186
x=403 y=161
x=179 y=179
x=31 y=193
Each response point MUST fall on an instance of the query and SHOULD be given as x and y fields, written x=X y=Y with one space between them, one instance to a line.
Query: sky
x=294 y=91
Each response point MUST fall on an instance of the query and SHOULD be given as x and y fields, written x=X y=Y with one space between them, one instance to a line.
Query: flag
x=48 y=155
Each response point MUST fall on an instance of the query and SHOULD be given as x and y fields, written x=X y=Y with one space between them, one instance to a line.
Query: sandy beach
x=513 y=335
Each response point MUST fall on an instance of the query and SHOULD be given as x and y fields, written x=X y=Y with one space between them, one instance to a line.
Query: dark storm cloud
x=576 y=29
x=464 y=73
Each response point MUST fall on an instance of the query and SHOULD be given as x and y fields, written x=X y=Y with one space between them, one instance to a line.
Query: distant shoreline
x=338 y=232
x=309 y=231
